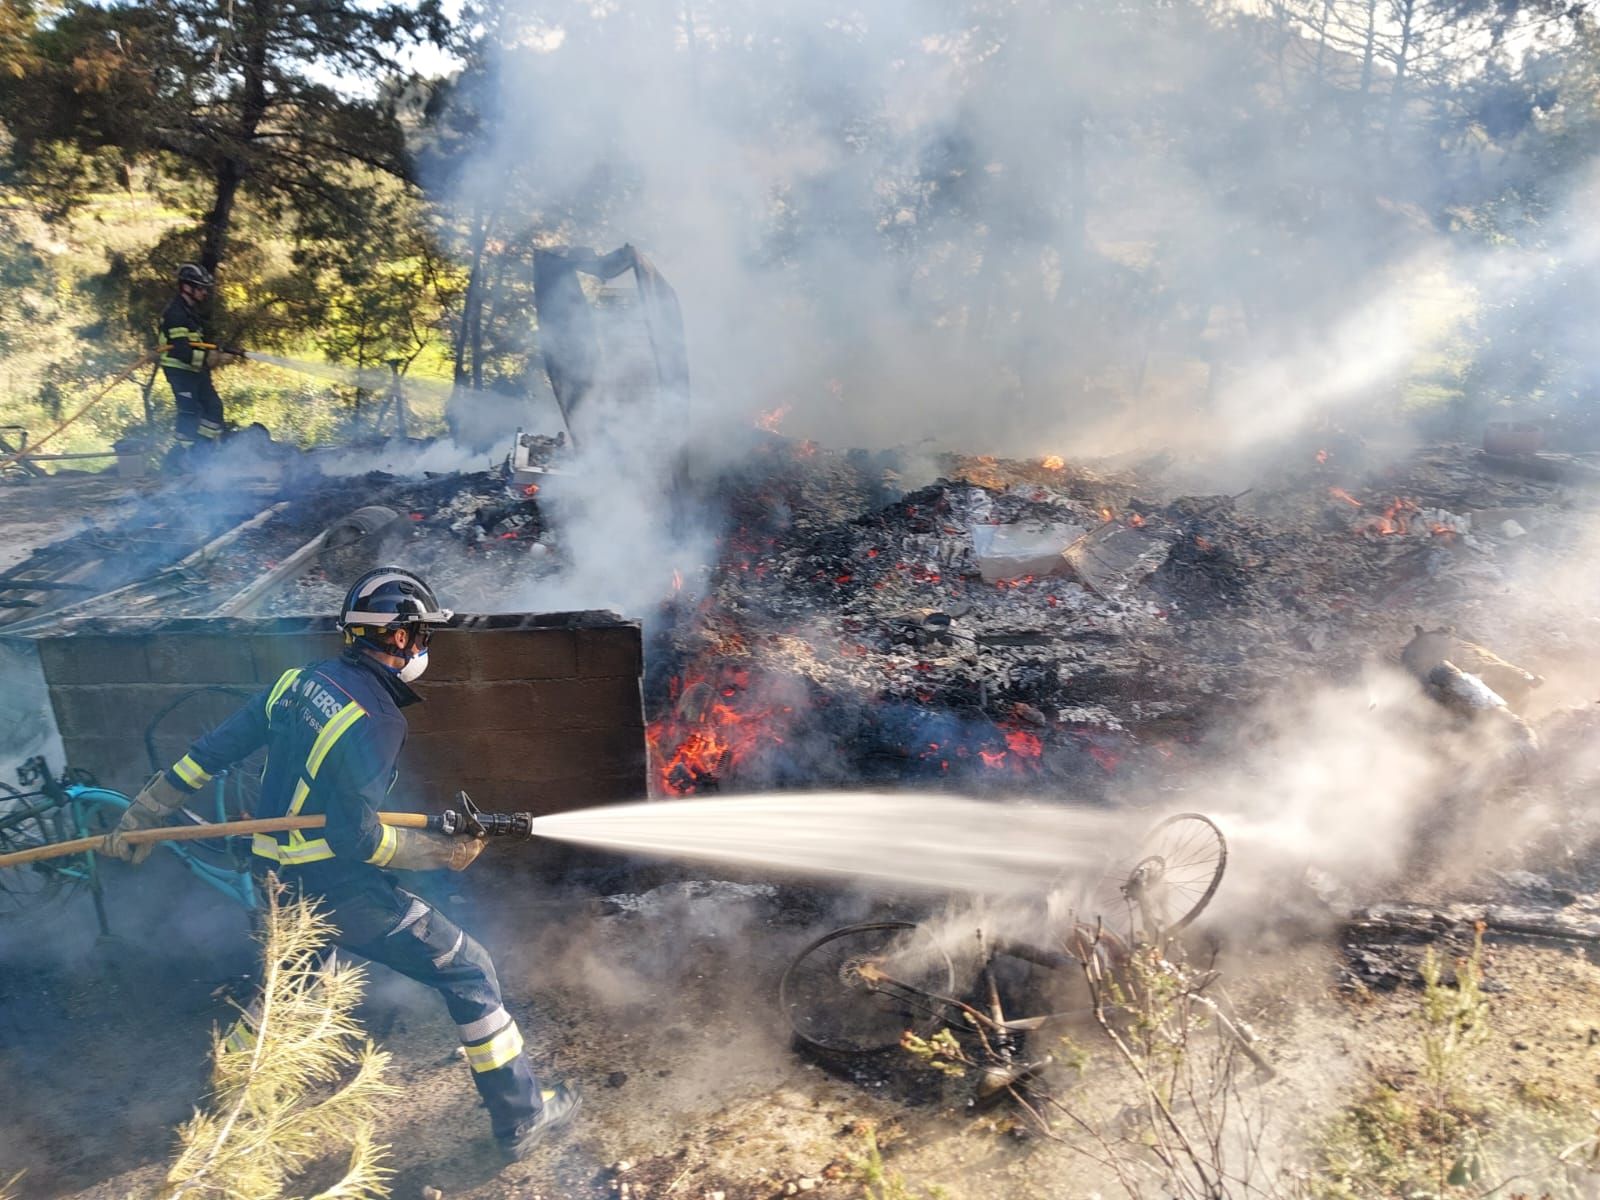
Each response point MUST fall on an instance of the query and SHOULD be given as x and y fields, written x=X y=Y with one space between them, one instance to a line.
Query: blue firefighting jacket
x=333 y=731
x=181 y=325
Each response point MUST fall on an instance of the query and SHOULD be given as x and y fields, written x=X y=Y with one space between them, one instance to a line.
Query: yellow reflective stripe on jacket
x=282 y=686
x=191 y=772
x=301 y=849
x=497 y=1051
x=331 y=733
x=388 y=843
x=177 y=333
x=169 y=359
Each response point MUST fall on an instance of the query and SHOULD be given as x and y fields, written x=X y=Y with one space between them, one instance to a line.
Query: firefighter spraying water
x=333 y=730
x=188 y=358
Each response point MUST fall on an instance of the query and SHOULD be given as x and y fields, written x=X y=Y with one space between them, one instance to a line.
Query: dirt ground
x=659 y=1002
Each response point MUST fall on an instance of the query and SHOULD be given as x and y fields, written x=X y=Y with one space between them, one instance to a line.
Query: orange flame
x=1340 y=494
x=1107 y=514
x=1322 y=456
x=772 y=418
x=688 y=755
x=1136 y=520
x=1020 y=581
x=677 y=580
x=531 y=490
x=1053 y=462
x=1395 y=519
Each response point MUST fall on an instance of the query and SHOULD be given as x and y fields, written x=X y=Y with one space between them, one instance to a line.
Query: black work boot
x=561 y=1104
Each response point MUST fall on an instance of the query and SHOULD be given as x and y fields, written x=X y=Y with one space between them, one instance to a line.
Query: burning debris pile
x=1001 y=624
x=1037 y=621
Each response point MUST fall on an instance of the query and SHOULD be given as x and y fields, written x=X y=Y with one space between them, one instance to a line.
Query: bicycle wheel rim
x=26 y=888
x=829 y=1007
x=177 y=726
x=1190 y=854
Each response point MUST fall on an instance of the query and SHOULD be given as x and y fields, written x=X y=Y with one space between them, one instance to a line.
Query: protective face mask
x=414 y=668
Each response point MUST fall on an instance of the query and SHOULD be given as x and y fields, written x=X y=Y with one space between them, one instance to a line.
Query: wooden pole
x=195 y=833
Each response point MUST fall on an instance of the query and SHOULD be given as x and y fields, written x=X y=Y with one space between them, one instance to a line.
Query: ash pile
x=1015 y=625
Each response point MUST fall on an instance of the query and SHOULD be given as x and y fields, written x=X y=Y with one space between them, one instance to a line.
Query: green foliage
x=1176 y=1110
x=236 y=97
x=95 y=278
x=941 y=1052
x=312 y=1082
x=878 y=1182
x=1450 y=1137
x=18 y=23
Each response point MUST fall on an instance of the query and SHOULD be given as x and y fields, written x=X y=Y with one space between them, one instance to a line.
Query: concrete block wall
x=536 y=712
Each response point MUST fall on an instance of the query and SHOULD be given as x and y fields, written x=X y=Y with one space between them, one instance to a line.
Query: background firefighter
x=188 y=365
x=333 y=732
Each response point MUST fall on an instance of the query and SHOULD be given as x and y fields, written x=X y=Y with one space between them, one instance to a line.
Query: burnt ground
x=659 y=1003
x=845 y=634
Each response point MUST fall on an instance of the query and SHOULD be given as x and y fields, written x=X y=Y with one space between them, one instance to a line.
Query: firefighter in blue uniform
x=333 y=731
x=188 y=366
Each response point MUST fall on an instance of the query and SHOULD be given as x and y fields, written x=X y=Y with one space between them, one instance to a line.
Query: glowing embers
x=1004 y=748
x=710 y=729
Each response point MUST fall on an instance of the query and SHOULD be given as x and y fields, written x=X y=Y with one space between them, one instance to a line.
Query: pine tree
x=309 y=1085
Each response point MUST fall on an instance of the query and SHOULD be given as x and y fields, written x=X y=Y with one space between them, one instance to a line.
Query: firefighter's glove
x=425 y=850
x=222 y=358
x=151 y=807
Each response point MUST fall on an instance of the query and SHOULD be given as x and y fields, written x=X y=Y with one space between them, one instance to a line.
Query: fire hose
x=467 y=821
x=143 y=361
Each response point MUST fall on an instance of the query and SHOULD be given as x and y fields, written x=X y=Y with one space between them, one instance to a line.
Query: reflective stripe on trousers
x=423 y=944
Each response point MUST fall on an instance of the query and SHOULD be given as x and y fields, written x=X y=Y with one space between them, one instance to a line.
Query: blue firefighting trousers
x=384 y=923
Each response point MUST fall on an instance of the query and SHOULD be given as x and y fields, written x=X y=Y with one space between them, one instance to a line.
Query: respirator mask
x=414 y=667
x=417 y=663
x=415 y=654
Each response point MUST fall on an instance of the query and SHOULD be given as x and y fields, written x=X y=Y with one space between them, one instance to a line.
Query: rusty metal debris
x=626 y=345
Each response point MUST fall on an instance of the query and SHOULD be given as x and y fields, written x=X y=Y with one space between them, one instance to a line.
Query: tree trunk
x=472 y=301
x=233 y=167
x=487 y=294
x=229 y=175
x=1397 y=91
x=1322 y=41
x=1369 y=47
